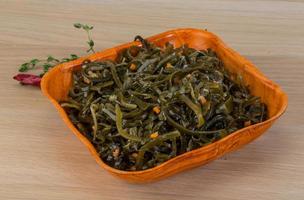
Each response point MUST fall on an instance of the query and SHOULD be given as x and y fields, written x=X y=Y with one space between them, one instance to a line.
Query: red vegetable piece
x=28 y=79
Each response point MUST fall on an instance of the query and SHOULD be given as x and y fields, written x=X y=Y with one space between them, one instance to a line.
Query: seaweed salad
x=154 y=103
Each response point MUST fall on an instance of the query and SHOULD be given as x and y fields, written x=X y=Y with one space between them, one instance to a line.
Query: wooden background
x=41 y=159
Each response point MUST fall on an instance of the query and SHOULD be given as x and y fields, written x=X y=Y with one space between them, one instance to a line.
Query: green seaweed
x=154 y=103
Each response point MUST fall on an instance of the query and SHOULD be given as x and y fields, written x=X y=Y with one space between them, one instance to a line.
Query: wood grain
x=41 y=159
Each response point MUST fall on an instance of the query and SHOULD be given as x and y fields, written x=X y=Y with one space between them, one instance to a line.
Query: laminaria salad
x=152 y=104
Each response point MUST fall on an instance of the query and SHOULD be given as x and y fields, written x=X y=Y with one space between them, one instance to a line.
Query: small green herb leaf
x=46 y=67
x=87 y=27
x=91 y=43
x=73 y=56
x=34 y=61
x=77 y=25
x=51 y=59
x=24 y=67
x=65 y=60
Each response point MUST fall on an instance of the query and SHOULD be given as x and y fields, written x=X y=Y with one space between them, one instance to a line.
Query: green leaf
x=46 y=67
x=73 y=56
x=34 y=61
x=77 y=25
x=87 y=27
x=24 y=67
x=91 y=43
x=51 y=59
x=65 y=60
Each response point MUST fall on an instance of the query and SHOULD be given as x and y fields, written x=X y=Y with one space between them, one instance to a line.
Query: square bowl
x=56 y=83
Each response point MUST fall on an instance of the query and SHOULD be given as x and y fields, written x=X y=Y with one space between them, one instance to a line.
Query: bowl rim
x=99 y=55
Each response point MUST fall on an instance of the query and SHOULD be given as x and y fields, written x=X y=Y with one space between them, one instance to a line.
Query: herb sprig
x=44 y=64
x=87 y=28
x=50 y=61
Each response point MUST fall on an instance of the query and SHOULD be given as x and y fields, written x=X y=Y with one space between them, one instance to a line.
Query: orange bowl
x=56 y=84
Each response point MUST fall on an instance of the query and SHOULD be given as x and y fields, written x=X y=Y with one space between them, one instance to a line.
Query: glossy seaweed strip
x=154 y=103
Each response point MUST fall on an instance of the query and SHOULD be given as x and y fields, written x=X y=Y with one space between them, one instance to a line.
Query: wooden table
x=41 y=159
